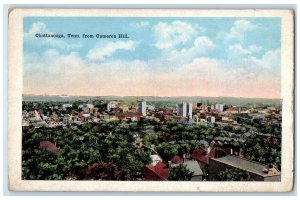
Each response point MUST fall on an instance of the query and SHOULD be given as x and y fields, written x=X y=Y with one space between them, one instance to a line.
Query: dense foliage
x=233 y=175
x=180 y=173
x=264 y=150
x=110 y=147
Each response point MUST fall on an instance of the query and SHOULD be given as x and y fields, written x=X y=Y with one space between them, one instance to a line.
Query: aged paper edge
x=15 y=58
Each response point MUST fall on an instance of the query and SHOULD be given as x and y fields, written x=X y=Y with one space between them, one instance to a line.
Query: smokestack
x=231 y=151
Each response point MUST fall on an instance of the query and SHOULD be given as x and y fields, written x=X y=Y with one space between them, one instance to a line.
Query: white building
x=155 y=159
x=53 y=124
x=190 y=110
x=185 y=110
x=219 y=107
x=65 y=106
x=87 y=108
x=150 y=107
x=211 y=119
x=112 y=104
x=142 y=107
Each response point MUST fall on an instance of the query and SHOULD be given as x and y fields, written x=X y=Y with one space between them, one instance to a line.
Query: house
x=65 y=106
x=132 y=116
x=116 y=109
x=87 y=108
x=194 y=167
x=177 y=159
x=257 y=171
x=159 y=172
x=155 y=159
x=54 y=124
x=182 y=120
x=167 y=111
x=47 y=145
x=25 y=123
x=202 y=156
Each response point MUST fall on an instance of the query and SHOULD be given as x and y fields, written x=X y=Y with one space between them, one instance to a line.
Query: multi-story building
x=87 y=108
x=185 y=110
x=142 y=107
x=257 y=171
x=112 y=104
x=219 y=107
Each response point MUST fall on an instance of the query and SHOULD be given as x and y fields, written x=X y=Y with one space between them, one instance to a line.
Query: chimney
x=183 y=156
x=231 y=151
x=270 y=166
x=266 y=171
x=208 y=150
x=55 y=144
x=169 y=163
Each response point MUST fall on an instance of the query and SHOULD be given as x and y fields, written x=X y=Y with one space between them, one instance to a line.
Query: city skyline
x=230 y=57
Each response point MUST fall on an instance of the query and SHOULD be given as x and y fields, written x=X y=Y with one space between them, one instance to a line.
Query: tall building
x=181 y=109
x=142 y=107
x=219 y=107
x=185 y=110
x=190 y=110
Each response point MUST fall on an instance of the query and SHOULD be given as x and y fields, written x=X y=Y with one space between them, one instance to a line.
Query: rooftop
x=193 y=166
x=247 y=165
x=158 y=172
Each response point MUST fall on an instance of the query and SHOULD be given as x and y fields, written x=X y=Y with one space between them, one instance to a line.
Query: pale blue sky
x=248 y=48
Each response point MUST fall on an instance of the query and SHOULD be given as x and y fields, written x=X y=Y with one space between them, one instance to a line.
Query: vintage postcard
x=151 y=100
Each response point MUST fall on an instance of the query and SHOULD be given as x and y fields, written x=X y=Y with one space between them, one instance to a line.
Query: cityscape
x=152 y=98
x=120 y=139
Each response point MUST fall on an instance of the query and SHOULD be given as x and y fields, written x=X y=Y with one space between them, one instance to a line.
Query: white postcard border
x=15 y=59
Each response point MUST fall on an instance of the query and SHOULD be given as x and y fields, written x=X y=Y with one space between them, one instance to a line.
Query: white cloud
x=101 y=52
x=237 y=54
x=70 y=74
x=237 y=31
x=169 y=35
x=255 y=48
x=39 y=27
x=202 y=63
x=203 y=42
x=202 y=66
x=270 y=60
x=201 y=46
x=237 y=51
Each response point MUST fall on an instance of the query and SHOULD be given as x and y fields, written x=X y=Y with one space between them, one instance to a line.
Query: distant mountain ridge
x=236 y=101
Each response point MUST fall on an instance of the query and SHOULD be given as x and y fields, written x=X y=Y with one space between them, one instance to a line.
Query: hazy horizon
x=61 y=95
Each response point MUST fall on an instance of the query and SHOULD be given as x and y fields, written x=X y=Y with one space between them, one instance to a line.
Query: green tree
x=233 y=175
x=180 y=173
x=167 y=151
